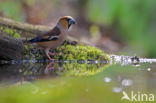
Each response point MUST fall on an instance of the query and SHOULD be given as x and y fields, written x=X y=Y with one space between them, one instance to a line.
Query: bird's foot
x=51 y=59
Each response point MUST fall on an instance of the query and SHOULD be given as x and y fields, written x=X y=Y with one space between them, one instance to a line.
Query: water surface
x=75 y=82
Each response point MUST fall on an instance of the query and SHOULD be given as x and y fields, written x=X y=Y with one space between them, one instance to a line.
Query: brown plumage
x=55 y=37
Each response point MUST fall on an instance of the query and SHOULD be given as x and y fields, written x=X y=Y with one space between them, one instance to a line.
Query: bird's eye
x=68 y=19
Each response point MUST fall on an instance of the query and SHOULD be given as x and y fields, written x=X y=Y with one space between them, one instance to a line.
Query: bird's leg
x=50 y=66
x=47 y=53
x=52 y=54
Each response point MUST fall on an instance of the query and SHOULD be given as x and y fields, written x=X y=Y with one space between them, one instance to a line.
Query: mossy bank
x=67 y=52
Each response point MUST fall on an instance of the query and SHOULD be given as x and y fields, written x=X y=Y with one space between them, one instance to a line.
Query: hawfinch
x=55 y=37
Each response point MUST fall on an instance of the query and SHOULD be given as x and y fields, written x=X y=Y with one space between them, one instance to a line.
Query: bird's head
x=66 y=22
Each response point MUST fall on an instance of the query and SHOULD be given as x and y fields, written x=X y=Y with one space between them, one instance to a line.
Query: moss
x=9 y=31
x=80 y=52
x=74 y=60
x=69 y=52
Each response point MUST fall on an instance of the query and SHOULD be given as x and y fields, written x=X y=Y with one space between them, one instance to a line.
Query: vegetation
x=69 y=52
x=81 y=59
x=133 y=20
x=10 y=32
x=79 y=74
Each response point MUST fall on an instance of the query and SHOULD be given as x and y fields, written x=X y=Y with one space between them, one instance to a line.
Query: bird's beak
x=71 y=21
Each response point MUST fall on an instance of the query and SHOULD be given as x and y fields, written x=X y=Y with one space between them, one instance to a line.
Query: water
x=78 y=81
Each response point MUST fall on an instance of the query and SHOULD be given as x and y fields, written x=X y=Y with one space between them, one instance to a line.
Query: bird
x=54 y=37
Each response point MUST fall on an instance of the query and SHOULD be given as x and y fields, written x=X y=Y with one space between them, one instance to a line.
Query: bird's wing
x=52 y=35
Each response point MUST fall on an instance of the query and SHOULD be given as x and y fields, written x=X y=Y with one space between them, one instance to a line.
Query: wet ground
x=79 y=81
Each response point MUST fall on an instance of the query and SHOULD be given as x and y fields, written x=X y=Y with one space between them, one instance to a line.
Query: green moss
x=10 y=32
x=80 y=59
x=80 y=52
x=16 y=35
x=68 y=52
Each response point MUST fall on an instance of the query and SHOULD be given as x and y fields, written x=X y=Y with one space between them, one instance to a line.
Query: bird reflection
x=29 y=72
x=49 y=67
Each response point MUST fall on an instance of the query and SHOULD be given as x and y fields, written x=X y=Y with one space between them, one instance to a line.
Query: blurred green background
x=123 y=26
